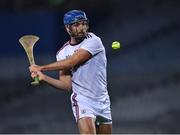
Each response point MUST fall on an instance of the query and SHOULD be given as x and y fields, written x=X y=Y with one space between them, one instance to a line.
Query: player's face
x=78 y=29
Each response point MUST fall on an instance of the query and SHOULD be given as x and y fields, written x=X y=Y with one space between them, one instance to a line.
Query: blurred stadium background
x=143 y=77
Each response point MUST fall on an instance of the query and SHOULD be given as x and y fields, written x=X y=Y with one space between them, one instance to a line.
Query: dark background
x=143 y=76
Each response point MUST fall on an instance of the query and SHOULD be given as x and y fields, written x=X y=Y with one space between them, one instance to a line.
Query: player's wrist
x=44 y=78
x=41 y=68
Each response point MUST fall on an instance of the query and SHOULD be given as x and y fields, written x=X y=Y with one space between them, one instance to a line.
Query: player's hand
x=40 y=75
x=34 y=68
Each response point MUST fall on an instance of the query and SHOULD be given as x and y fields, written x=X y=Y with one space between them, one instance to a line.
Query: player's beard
x=79 y=35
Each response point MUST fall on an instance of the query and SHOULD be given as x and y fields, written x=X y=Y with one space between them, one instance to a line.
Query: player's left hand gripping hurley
x=28 y=42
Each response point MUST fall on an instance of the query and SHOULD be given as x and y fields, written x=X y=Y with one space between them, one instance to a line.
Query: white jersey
x=89 y=79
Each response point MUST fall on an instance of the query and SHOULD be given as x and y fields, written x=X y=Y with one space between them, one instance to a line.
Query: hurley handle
x=36 y=81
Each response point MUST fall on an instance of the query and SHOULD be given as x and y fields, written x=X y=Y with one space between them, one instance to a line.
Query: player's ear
x=67 y=28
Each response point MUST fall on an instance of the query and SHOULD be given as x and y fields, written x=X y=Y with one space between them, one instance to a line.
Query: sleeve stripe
x=88 y=36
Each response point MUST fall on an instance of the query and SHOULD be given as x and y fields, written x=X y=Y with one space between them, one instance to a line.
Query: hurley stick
x=28 y=42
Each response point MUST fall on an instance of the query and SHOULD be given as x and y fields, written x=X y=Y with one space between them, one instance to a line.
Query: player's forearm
x=60 y=85
x=59 y=65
